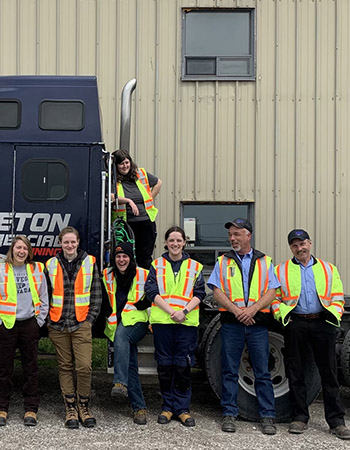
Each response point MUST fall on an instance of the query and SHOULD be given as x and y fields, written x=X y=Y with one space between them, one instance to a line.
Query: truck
x=56 y=172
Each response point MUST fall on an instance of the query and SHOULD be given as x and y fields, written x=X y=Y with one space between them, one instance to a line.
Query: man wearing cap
x=310 y=303
x=244 y=285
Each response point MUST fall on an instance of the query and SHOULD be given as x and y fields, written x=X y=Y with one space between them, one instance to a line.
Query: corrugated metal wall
x=280 y=142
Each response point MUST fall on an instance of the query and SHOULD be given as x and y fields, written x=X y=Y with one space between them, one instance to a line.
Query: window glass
x=45 y=180
x=10 y=114
x=218 y=44
x=61 y=115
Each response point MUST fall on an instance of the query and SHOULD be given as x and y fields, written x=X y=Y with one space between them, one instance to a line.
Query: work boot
x=30 y=419
x=341 y=432
x=268 y=425
x=3 y=418
x=140 y=417
x=229 y=424
x=119 y=390
x=186 y=419
x=297 y=427
x=165 y=417
x=72 y=420
x=85 y=415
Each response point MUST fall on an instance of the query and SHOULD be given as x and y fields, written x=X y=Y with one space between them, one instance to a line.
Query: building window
x=218 y=44
x=10 y=114
x=61 y=115
x=45 y=180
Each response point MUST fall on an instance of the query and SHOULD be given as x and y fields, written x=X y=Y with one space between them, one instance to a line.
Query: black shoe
x=229 y=424
x=268 y=425
x=341 y=432
x=30 y=419
x=297 y=427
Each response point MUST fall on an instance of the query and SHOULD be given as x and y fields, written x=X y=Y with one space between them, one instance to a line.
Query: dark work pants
x=175 y=347
x=301 y=336
x=145 y=237
x=25 y=336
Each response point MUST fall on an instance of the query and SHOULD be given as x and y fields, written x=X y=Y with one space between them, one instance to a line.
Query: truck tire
x=345 y=359
x=247 y=402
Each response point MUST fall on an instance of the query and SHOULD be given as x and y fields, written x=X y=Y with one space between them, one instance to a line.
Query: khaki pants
x=74 y=348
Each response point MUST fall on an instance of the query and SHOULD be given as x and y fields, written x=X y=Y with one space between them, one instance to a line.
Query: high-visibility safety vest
x=328 y=284
x=231 y=282
x=82 y=288
x=8 y=291
x=130 y=314
x=144 y=188
x=176 y=291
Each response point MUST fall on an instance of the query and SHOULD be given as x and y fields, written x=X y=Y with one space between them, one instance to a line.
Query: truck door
x=50 y=191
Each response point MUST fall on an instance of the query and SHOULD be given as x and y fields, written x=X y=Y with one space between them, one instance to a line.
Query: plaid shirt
x=68 y=321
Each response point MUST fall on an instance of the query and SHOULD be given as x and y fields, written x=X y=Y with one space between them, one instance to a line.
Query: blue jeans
x=234 y=336
x=125 y=361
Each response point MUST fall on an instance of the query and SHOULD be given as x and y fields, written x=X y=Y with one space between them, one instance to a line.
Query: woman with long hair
x=175 y=285
x=136 y=191
x=23 y=309
x=126 y=325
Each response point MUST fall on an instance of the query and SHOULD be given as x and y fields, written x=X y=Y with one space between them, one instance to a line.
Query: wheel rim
x=276 y=368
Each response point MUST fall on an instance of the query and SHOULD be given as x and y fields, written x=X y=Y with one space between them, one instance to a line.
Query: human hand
x=178 y=316
x=245 y=315
x=134 y=208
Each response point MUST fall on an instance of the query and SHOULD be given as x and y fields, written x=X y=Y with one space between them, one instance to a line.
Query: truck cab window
x=10 y=114
x=61 y=115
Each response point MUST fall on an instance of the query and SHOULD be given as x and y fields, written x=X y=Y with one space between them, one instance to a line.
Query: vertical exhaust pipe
x=125 y=115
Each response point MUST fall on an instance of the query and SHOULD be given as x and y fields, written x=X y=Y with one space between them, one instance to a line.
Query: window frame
x=220 y=77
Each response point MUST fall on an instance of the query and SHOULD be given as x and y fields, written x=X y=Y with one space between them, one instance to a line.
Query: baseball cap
x=297 y=234
x=240 y=223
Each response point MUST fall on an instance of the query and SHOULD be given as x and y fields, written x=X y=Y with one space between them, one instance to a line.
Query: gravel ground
x=116 y=430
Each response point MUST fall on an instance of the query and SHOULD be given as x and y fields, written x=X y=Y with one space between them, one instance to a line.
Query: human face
x=124 y=167
x=175 y=244
x=239 y=239
x=122 y=261
x=69 y=246
x=301 y=250
x=20 y=253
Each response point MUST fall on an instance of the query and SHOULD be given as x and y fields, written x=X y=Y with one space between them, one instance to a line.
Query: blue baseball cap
x=297 y=234
x=240 y=223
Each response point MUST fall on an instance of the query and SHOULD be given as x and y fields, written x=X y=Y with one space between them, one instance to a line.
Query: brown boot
x=85 y=415
x=72 y=420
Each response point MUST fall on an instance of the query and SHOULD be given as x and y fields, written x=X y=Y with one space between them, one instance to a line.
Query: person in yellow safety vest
x=136 y=191
x=74 y=306
x=310 y=303
x=24 y=306
x=127 y=324
x=244 y=285
x=175 y=285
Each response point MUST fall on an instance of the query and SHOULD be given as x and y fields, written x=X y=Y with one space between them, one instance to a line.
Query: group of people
x=305 y=293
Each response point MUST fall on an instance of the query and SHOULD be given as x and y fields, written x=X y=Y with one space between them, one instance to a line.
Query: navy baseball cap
x=297 y=234
x=240 y=223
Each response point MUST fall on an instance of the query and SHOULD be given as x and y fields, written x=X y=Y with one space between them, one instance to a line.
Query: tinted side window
x=62 y=115
x=10 y=114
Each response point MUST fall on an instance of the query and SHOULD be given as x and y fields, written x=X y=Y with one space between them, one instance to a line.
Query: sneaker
x=341 y=432
x=140 y=417
x=119 y=390
x=229 y=424
x=297 y=427
x=84 y=413
x=165 y=417
x=30 y=419
x=72 y=419
x=3 y=418
x=186 y=419
x=268 y=425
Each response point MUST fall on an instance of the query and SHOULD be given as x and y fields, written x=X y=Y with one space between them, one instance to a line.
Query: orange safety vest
x=82 y=288
x=8 y=291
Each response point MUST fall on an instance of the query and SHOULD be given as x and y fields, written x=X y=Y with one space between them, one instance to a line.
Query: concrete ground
x=116 y=430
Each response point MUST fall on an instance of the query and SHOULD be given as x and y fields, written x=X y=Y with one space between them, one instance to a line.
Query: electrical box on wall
x=190 y=228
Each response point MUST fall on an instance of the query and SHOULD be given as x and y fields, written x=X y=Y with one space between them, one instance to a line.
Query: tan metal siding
x=281 y=142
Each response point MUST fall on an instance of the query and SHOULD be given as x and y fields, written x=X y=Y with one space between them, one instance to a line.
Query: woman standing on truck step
x=74 y=306
x=23 y=309
x=136 y=191
x=175 y=285
x=127 y=325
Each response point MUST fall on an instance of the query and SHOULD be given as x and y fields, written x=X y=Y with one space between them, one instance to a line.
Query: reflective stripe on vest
x=130 y=314
x=176 y=291
x=145 y=190
x=328 y=287
x=8 y=291
x=82 y=288
x=232 y=284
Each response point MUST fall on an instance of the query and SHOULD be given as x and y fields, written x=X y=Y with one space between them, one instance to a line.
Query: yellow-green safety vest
x=176 y=291
x=130 y=314
x=328 y=284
